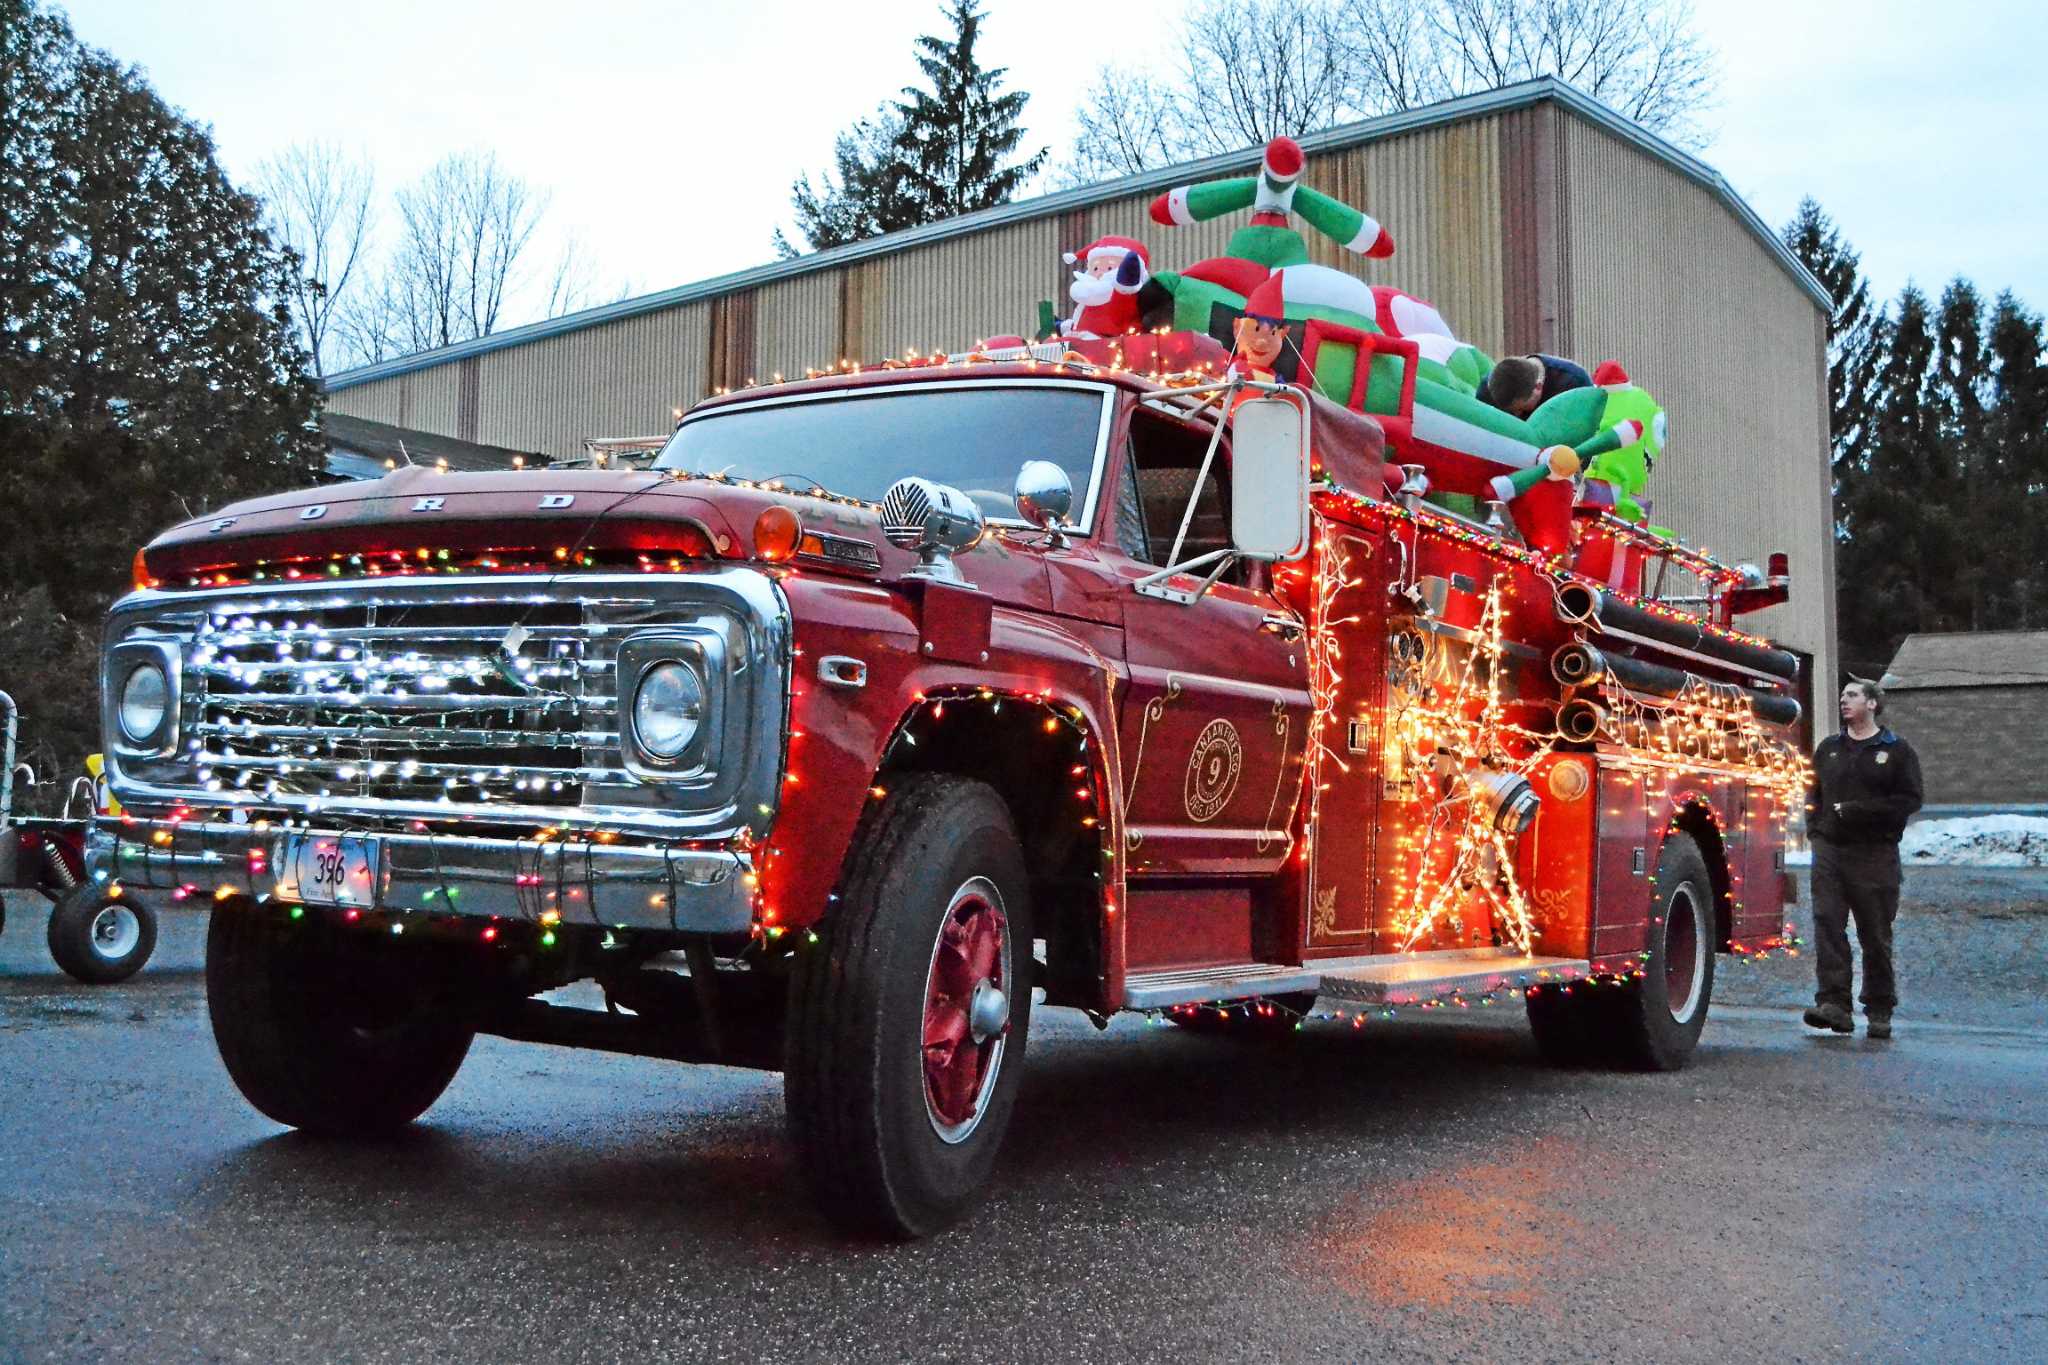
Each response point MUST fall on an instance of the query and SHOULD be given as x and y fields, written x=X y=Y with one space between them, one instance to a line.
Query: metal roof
x=1983 y=658
x=1500 y=101
x=380 y=441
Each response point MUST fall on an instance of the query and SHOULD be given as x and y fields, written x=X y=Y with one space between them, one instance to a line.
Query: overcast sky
x=668 y=133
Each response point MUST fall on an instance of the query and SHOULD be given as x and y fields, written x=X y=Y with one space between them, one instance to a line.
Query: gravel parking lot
x=1972 y=947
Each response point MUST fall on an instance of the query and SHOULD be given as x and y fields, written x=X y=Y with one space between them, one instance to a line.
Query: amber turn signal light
x=138 y=572
x=776 y=533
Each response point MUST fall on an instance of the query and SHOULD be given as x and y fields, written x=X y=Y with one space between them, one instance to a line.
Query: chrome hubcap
x=115 y=932
x=966 y=1010
x=990 y=1011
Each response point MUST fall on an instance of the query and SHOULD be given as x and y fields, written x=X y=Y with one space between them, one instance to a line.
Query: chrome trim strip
x=700 y=891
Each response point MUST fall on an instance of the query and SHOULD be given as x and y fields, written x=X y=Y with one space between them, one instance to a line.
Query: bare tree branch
x=317 y=205
x=462 y=229
x=571 y=288
x=1247 y=71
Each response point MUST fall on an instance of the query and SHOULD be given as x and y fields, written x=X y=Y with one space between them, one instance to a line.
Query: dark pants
x=1860 y=880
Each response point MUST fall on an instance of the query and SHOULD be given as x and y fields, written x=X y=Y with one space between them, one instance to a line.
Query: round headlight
x=667 y=708
x=145 y=697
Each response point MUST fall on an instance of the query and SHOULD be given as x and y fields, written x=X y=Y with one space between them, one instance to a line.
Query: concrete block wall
x=1977 y=745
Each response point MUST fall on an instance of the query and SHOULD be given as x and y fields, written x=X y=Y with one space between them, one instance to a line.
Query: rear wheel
x=908 y=1021
x=99 y=938
x=330 y=1032
x=1658 y=1017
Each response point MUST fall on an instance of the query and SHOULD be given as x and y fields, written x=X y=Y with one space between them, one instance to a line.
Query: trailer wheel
x=324 y=1034
x=908 y=1019
x=1658 y=1018
x=98 y=938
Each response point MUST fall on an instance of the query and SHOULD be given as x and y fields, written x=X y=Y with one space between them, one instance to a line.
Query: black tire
x=1571 y=1030
x=1658 y=1018
x=1245 y=1018
x=98 y=938
x=333 y=1033
x=872 y=1133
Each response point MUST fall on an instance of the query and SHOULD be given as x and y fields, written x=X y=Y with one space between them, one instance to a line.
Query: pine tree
x=937 y=153
x=2016 y=429
x=864 y=195
x=148 y=368
x=1965 y=500
x=1889 y=562
x=1940 y=426
x=1856 y=330
x=958 y=134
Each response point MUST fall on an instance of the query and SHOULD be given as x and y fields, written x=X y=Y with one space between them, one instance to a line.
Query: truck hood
x=542 y=518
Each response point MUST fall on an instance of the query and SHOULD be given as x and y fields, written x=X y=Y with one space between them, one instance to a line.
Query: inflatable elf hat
x=1112 y=248
x=1268 y=303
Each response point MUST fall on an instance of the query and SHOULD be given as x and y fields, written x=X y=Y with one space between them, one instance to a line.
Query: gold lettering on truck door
x=1214 y=765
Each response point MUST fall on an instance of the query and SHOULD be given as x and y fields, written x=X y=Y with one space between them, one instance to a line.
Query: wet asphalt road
x=1425 y=1190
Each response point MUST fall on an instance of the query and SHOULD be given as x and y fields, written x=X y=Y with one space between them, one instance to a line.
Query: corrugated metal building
x=1533 y=217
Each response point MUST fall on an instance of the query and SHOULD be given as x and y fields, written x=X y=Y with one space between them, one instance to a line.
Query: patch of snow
x=1963 y=841
x=1977 y=841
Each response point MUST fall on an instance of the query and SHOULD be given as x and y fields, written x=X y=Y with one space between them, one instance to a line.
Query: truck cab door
x=1214 y=720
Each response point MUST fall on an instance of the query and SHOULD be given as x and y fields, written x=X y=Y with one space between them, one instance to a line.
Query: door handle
x=1286 y=627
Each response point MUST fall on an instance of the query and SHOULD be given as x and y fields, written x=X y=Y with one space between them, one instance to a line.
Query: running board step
x=1381 y=979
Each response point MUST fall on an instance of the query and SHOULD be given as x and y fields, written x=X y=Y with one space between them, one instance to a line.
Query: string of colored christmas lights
x=1456 y=740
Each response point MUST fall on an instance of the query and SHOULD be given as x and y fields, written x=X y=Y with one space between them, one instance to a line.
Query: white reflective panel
x=1269 y=478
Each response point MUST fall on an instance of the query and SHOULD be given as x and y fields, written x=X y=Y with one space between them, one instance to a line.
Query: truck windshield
x=974 y=438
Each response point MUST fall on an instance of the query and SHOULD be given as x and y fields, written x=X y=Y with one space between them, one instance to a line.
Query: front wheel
x=908 y=1020
x=100 y=938
x=1659 y=1017
x=335 y=1033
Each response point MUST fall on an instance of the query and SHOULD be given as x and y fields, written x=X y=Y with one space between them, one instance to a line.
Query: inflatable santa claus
x=1108 y=275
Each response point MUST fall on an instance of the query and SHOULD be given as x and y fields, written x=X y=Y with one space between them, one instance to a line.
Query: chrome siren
x=936 y=521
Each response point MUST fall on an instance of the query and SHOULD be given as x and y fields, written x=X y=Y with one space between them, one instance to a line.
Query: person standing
x=1866 y=784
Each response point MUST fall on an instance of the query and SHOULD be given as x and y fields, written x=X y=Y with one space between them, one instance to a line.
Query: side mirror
x=1269 y=479
x=1045 y=495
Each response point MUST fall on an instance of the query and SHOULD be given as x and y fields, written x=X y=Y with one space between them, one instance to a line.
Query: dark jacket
x=1863 y=790
x=1559 y=376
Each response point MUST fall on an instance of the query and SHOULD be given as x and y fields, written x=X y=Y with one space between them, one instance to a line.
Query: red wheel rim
x=966 y=1010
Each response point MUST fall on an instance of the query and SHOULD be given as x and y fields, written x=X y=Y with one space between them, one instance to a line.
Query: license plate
x=329 y=869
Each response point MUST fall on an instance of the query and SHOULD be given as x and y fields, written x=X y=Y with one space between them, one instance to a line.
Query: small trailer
x=97 y=934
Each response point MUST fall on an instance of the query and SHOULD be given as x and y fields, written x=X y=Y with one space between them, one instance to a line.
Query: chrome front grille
x=469 y=703
x=433 y=701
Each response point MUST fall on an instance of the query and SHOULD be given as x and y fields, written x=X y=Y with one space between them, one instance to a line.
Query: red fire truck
x=891 y=705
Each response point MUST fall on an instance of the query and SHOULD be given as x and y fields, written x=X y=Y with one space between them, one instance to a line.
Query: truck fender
x=1052 y=758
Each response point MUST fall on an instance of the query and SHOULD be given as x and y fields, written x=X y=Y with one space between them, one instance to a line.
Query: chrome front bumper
x=578 y=881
